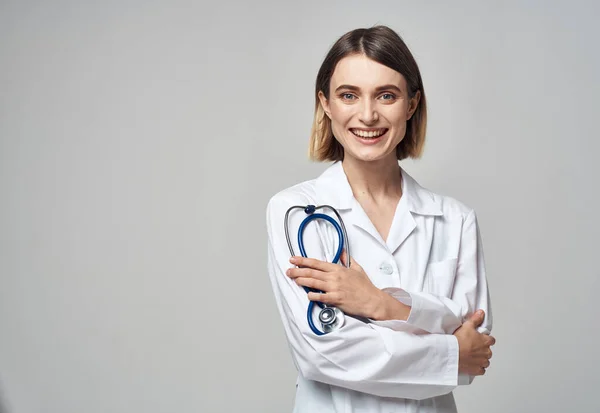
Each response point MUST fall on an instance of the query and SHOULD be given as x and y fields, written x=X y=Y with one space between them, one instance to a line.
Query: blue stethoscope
x=331 y=318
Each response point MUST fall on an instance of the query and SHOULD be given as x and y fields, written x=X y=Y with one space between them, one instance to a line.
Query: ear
x=324 y=104
x=413 y=104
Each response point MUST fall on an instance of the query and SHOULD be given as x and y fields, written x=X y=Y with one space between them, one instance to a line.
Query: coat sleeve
x=359 y=356
x=443 y=315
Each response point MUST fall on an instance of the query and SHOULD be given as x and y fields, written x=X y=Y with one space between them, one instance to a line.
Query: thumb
x=344 y=260
x=477 y=318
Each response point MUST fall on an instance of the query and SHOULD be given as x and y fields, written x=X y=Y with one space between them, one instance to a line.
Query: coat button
x=386 y=268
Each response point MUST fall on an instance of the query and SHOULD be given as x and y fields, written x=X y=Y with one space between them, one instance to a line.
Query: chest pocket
x=440 y=276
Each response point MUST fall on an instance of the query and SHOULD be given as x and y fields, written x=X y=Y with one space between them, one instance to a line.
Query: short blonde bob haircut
x=385 y=46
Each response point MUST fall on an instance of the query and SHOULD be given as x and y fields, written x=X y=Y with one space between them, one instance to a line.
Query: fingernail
x=288 y=271
x=293 y=260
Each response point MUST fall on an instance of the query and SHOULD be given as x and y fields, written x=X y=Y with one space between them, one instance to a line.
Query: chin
x=368 y=156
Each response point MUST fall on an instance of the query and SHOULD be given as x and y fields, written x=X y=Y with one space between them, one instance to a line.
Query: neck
x=374 y=179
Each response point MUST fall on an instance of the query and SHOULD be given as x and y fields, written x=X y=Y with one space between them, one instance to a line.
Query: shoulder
x=457 y=214
x=302 y=193
x=452 y=208
x=426 y=201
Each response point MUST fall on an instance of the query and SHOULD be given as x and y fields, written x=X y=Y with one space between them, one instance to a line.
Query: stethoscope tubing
x=342 y=237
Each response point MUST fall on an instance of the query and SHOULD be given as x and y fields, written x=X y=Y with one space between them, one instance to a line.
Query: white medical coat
x=432 y=261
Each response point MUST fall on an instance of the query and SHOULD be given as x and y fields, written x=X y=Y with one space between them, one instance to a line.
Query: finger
x=344 y=258
x=306 y=273
x=312 y=283
x=486 y=364
x=491 y=340
x=476 y=319
x=477 y=371
x=323 y=298
x=313 y=263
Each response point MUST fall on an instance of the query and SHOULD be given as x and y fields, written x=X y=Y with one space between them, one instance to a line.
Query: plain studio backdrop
x=140 y=142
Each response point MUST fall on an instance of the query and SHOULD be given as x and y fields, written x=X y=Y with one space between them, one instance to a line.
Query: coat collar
x=334 y=189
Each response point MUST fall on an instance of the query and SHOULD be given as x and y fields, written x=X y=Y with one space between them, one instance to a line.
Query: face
x=368 y=106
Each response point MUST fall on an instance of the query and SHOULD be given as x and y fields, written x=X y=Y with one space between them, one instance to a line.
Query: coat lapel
x=335 y=190
x=411 y=215
x=360 y=219
x=403 y=225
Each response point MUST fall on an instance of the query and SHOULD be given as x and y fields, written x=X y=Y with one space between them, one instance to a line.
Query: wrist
x=388 y=308
x=379 y=310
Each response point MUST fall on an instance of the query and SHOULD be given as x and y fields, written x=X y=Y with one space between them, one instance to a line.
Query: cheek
x=341 y=114
x=397 y=117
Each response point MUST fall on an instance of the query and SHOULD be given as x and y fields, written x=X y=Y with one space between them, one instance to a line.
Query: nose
x=368 y=115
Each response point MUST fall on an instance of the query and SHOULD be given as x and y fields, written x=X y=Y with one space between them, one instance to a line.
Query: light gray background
x=140 y=142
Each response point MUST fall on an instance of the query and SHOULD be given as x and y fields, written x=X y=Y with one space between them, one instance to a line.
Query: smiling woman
x=375 y=77
x=370 y=102
x=415 y=292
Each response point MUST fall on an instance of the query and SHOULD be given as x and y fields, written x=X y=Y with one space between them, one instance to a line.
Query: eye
x=388 y=96
x=347 y=96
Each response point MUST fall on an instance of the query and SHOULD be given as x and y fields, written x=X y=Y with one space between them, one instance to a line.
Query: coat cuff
x=426 y=314
x=399 y=325
x=465 y=379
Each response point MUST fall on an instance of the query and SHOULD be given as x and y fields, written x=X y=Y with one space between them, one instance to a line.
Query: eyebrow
x=378 y=89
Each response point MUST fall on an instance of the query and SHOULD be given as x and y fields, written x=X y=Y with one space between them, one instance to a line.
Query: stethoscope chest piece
x=331 y=318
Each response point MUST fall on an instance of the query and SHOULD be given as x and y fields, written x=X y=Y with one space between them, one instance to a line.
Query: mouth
x=370 y=135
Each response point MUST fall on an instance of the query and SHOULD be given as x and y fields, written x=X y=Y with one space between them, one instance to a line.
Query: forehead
x=359 y=70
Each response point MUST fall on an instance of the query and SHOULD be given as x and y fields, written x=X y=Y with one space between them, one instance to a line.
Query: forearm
x=389 y=308
x=436 y=313
x=358 y=356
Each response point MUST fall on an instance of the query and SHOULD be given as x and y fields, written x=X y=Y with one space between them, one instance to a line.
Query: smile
x=368 y=133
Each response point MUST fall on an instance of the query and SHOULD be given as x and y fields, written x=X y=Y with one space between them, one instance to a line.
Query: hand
x=474 y=347
x=349 y=289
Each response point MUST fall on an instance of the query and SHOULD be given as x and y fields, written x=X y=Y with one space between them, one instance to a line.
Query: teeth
x=368 y=134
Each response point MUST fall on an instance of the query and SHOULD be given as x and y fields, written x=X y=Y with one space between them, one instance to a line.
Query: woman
x=412 y=331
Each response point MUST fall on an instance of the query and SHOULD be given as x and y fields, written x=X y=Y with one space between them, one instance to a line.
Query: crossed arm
x=384 y=360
